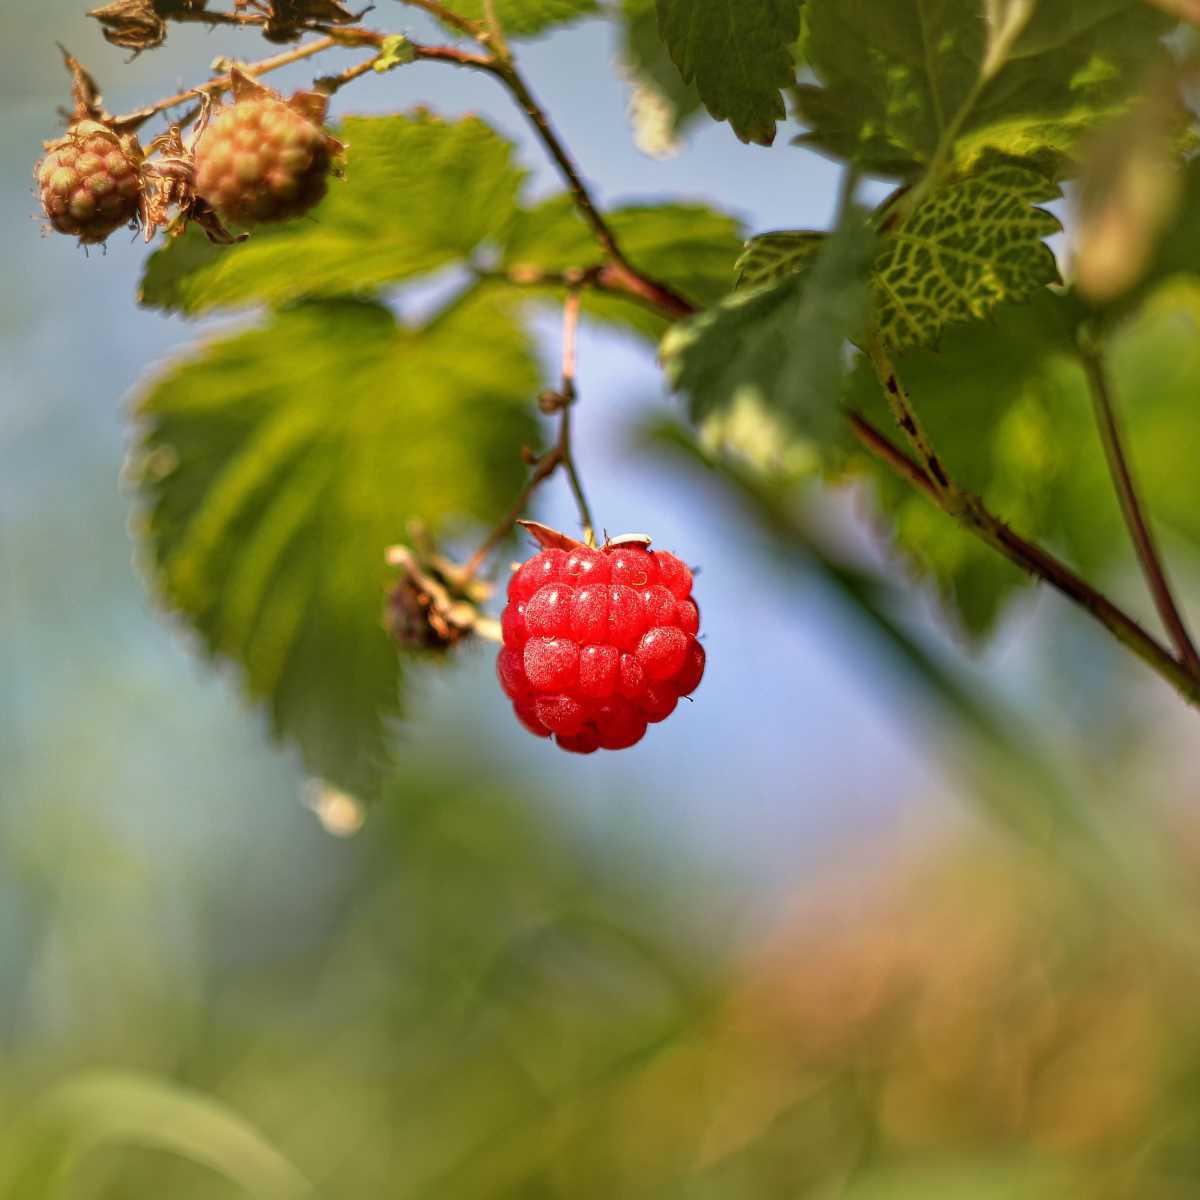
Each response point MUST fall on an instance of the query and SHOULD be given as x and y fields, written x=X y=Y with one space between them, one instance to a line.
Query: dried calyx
x=433 y=604
x=141 y=24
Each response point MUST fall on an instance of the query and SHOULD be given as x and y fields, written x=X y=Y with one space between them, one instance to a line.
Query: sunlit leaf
x=897 y=78
x=782 y=344
x=693 y=247
x=737 y=52
x=526 y=18
x=975 y=243
x=419 y=193
x=277 y=464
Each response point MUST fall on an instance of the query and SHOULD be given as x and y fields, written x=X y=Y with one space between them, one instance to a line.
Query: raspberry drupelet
x=599 y=643
x=261 y=160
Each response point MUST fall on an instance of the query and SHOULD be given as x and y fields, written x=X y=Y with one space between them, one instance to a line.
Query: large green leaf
x=900 y=77
x=277 y=464
x=780 y=347
x=419 y=193
x=526 y=18
x=974 y=243
x=737 y=52
x=692 y=247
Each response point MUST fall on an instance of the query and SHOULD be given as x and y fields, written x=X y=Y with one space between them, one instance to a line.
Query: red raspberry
x=598 y=644
x=90 y=183
x=262 y=159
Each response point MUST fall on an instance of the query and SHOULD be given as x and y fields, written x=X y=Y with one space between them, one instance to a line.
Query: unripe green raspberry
x=261 y=160
x=89 y=182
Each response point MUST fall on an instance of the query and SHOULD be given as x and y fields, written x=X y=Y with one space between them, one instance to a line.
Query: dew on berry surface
x=561 y=714
x=543 y=568
x=674 y=573
x=510 y=669
x=512 y=626
x=589 y=614
x=633 y=566
x=626 y=617
x=631 y=678
x=659 y=606
x=586 y=566
x=662 y=652
x=589 y=656
x=551 y=664
x=598 y=670
x=548 y=611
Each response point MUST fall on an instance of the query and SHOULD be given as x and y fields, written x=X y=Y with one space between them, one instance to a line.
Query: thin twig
x=559 y=455
x=1133 y=511
x=222 y=83
x=1035 y=561
x=567 y=394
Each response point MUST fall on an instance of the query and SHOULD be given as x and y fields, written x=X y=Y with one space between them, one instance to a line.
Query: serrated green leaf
x=973 y=244
x=770 y=257
x=419 y=193
x=737 y=52
x=899 y=77
x=780 y=347
x=692 y=247
x=662 y=103
x=526 y=18
x=276 y=465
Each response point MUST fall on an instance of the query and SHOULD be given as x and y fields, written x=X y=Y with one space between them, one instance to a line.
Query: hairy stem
x=567 y=394
x=1036 y=561
x=910 y=424
x=222 y=83
x=559 y=455
x=1133 y=511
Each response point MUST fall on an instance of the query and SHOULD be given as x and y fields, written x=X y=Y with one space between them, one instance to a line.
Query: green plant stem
x=910 y=425
x=1133 y=510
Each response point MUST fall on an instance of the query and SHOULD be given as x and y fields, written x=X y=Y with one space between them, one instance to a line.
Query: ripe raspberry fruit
x=89 y=182
x=262 y=159
x=598 y=644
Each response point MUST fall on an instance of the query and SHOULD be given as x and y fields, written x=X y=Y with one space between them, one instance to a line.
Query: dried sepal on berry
x=90 y=181
x=169 y=198
x=287 y=20
x=432 y=605
x=263 y=158
x=139 y=25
